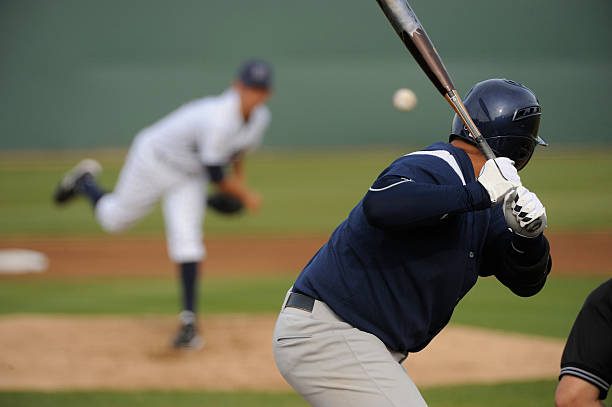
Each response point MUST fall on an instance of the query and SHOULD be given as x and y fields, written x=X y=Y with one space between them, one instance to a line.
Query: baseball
x=404 y=99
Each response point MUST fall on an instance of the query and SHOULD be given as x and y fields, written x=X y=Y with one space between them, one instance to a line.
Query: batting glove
x=499 y=177
x=524 y=213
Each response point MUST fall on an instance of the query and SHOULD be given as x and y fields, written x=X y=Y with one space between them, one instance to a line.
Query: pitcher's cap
x=256 y=73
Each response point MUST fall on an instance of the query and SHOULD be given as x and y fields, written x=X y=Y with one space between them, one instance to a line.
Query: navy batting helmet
x=508 y=116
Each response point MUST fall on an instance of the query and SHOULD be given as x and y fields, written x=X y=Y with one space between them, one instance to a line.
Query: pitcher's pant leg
x=330 y=363
x=141 y=183
x=116 y=214
x=183 y=207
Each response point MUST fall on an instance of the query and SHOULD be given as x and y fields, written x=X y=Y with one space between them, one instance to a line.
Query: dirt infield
x=587 y=253
x=50 y=353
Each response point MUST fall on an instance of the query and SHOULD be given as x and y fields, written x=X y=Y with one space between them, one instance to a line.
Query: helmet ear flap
x=518 y=148
x=460 y=131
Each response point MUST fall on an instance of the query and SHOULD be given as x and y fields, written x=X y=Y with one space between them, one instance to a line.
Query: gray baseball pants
x=330 y=363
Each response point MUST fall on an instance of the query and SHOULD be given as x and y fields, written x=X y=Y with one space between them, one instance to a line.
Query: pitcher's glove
x=225 y=204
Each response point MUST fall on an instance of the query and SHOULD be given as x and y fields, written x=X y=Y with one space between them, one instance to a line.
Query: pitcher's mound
x=49 y=353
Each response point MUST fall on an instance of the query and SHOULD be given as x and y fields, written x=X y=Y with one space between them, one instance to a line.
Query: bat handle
x=455 y=101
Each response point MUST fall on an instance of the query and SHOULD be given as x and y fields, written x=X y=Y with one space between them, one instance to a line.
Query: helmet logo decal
x=514 y=83
x=526 y=112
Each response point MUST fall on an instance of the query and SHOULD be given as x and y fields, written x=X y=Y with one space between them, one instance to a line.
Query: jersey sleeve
x=259 y=129
x=215 y=173
x=588 y=351
x=521 y=264
x=215 y=149
x=400 y=203
x=408 y=195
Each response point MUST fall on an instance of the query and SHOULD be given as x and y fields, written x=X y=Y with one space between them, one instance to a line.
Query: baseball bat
x=413 y=35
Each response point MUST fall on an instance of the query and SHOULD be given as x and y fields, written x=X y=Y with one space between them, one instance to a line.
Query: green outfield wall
x=85 y=73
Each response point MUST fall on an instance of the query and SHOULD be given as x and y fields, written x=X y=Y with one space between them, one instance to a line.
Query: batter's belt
x=300 y=301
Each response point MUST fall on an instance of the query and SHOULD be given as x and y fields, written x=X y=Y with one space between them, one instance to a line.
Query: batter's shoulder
x=436 y=162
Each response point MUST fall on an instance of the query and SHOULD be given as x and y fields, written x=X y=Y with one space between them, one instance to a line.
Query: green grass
x=148 y=399
x=304 y=192
x=489 y=304
x=551 y=312
x=246 y=294
x=524 y=394
x=521 y=394
x=574 y=185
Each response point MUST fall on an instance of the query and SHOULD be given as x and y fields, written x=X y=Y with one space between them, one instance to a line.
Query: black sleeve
x=215 y=173
x=588 y=351
x=399 y=203
x=521 y=264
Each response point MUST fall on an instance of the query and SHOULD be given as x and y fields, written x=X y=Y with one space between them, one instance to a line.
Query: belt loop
x=286 y=299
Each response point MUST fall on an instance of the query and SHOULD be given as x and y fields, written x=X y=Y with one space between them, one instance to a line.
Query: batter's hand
x=524 y=213
x=499 y=177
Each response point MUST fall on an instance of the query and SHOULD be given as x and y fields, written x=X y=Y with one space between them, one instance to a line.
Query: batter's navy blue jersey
x=415 y=245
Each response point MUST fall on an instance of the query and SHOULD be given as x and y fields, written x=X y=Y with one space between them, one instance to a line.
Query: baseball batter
x=173 y=161
x=391 y=274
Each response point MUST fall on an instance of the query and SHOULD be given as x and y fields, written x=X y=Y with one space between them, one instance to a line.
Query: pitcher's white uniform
x=166 y=161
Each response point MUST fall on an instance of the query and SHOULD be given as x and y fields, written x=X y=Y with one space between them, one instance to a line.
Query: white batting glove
x=524 y=213
x=499 y=177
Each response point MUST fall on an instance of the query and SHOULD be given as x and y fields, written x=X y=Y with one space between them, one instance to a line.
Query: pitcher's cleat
x=67 y=188
x=188 y=338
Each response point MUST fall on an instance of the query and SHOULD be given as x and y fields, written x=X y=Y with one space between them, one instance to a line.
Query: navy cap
x=256 y=73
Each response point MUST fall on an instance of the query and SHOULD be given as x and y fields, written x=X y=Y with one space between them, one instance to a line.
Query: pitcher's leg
x=183 y=208
x=141 y=183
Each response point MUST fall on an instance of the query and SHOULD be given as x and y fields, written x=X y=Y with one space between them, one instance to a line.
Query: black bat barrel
x=413 y=35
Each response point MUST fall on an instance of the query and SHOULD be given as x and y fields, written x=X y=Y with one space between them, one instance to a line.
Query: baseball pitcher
x=391 y=274
x=173 y=161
